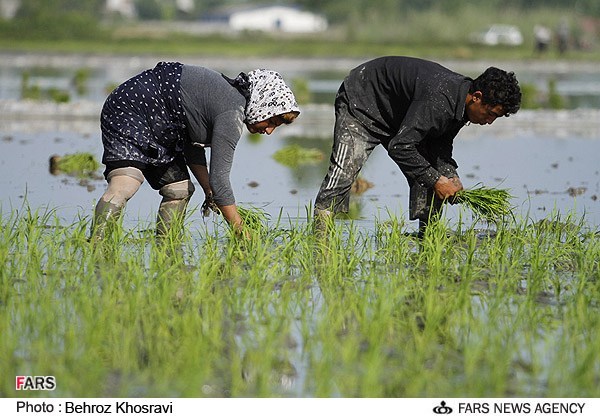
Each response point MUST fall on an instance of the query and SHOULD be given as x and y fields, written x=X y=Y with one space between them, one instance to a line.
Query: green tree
x=150 y=9
x=338 y=10
x=42 y=8
x=58 y=19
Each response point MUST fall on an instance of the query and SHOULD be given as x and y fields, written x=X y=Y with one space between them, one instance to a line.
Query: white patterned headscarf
x=269 y=96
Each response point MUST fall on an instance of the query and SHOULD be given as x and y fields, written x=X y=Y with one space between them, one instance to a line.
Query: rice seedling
x=81 y=164
x=295 y=155
x=370 y=312
x=253 y=218
x=489 y=203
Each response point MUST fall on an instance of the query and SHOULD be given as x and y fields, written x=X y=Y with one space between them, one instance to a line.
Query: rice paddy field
x=360 y=309
x=355 y=308
x=508 y=311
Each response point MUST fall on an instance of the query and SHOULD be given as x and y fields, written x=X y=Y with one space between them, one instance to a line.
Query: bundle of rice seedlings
x=82 y=164
x=254 y=218
x=295 y=155
x=489 y=203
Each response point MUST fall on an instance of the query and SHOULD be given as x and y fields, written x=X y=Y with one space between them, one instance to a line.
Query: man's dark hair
x=499 y=88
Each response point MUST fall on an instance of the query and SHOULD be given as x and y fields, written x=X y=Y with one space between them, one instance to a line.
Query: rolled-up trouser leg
x=173 y=205
x=123 y=183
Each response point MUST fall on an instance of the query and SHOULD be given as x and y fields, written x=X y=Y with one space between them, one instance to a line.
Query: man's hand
x=446 y=187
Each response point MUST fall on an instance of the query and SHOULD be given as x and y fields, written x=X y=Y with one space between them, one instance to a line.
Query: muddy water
x=547 y=159
x=546 y=170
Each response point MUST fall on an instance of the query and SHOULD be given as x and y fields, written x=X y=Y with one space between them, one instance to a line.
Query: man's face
x=480 y=113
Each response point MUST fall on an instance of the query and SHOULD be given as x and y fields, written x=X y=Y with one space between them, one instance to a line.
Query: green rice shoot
x=366 y=313
x=254 y=218
x=295 y=155
x=489 y=203
x=77 y=164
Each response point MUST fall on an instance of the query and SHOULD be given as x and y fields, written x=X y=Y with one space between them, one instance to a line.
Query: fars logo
x=35 y=383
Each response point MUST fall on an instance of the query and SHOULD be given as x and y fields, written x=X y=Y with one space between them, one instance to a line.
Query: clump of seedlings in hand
x=489 y=203
x=254 y=218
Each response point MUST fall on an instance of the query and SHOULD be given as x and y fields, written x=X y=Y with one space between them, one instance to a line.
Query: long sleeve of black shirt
x=423 y=146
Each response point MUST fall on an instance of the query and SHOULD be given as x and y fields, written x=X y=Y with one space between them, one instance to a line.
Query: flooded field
x=551 y=168
x=365 y=310
x=544 y=157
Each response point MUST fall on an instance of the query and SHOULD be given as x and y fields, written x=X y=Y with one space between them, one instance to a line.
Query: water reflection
x=92 y=77
x=546 y=158
x=311 y=173
x=544 y=172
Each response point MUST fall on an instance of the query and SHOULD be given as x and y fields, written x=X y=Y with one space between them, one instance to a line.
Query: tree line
x=80 y=18
x=335 y=10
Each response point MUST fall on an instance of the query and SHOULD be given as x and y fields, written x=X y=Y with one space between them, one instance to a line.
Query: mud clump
x=576 y=191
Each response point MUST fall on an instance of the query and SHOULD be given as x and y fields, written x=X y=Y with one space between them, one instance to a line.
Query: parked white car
x=498 y=35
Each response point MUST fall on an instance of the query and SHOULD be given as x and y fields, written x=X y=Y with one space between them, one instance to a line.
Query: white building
x=125 y=8
x=8 y=8
x=272 y=19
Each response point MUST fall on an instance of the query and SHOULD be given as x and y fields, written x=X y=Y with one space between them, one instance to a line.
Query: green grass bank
x=430 y=33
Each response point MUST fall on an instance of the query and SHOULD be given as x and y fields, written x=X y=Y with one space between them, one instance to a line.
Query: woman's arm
x=201 y=174
x=231 y=214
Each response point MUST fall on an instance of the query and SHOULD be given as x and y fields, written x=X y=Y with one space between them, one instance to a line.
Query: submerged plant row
x=347 y=312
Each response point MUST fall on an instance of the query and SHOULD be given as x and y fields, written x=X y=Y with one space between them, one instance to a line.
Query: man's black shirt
x=415 y=107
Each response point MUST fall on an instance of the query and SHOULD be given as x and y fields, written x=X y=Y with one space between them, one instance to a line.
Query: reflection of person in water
x=158 y=123
x=414 y=108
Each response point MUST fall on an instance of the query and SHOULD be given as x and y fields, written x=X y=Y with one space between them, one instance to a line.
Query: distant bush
x=530 y=97
x=533 y=98
x=81 y=79
x=301 y=90
x=33 y=91
x=149 y=9
x=555 y=100
x=66 y=26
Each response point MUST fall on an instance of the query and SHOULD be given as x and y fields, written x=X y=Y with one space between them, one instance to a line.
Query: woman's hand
x=209 y=205
x=231 y=214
